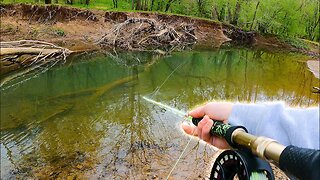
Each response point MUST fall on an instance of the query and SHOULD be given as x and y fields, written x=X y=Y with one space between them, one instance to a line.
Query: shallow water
x=88 y=118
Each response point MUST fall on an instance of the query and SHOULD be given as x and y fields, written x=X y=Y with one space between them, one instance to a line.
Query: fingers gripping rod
x=238 y=136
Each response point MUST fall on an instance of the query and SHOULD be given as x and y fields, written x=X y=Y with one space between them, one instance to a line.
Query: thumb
x=197 y=112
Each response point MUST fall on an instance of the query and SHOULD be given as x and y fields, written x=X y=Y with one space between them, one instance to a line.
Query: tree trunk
x=138 y=7
x=115 y=3
x=47 y=1
x=152 y=2
x=132 y=5
x=229 y=14
x=146 y=5
x=69 y=2
x=160 y=6
x=168 y=5
x=222 y=13
x=143 y=4
x=87 y=2
x=200 y=6
x=254 y=15
x=236 y=13
x=215 y=13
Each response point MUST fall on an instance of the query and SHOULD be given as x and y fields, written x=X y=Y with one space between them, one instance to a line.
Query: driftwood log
x=29 y=56
x=22 y=50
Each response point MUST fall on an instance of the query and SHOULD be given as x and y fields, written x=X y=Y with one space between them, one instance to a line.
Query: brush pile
x=144 y=34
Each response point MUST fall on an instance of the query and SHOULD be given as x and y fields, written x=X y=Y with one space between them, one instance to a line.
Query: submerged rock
x=314 y=67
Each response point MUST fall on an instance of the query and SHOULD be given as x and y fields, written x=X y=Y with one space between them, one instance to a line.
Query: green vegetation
x=295 y=42
x=60 y=32
x=288 y=18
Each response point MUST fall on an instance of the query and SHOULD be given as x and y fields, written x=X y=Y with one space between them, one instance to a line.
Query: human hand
x=214 y=110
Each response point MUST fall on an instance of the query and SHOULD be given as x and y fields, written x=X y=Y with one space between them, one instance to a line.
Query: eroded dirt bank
x=80 y=29
x=74 y=28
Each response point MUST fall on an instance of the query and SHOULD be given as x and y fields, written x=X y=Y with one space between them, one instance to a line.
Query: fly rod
x=296 y=162
x=250 y=156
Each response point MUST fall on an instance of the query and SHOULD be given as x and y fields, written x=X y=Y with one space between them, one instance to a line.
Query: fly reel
x=241 y=163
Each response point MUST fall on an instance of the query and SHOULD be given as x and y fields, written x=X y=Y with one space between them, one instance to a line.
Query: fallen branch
x=19 y=51
x=31 y=56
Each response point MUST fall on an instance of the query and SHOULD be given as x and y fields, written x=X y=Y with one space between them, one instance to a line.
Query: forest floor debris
x=148 y=34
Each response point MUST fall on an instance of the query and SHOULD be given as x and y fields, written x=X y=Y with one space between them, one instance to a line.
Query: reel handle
x=300 y=162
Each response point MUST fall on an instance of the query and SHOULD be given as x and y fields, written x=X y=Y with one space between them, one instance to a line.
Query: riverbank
x=81 y=29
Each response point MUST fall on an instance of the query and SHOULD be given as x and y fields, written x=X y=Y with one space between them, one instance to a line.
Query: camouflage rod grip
x=218 y=128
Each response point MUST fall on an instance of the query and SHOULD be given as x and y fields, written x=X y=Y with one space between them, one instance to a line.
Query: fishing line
x=187 y=145
x=179 y=158
x=152 y=96
x=158 y=88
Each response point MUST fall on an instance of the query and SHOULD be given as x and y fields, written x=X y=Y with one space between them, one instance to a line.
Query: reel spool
x=241 y=163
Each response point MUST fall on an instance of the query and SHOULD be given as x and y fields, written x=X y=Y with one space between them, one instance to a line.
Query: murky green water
x=87 y=118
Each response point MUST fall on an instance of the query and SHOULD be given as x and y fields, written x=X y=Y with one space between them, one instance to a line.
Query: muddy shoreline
x=80 y=29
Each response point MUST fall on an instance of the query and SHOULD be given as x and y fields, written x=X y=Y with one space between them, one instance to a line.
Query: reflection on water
x=88 y=119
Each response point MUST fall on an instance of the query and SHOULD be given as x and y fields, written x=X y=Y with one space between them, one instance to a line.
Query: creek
x=87 y=118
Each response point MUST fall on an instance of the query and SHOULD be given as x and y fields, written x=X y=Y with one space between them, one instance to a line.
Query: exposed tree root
x=146 y=34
